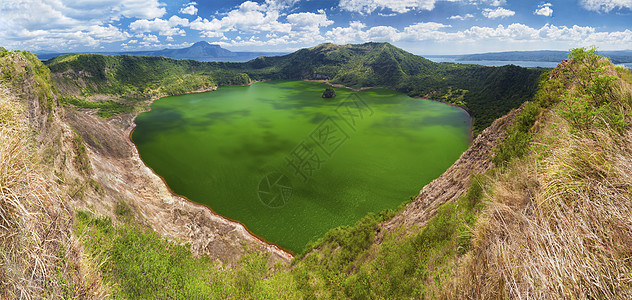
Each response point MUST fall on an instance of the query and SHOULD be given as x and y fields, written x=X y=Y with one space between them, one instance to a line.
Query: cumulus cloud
x=248 y=17
x=344 y=35
x=149 y=38
x=461 y=18
x=356 y=32
x=258 y=19
x=544 y=10
x=398 y=6
x=163 y=27
x=497 y=2
x=63 y=24
x=144 y=9
x=606 y=5
x=309 y=21
x=189 y=9
x=515 y=33
x=498 y=13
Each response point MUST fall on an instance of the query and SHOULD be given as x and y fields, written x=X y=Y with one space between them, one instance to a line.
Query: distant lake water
x=291 y=165
x=498 y=63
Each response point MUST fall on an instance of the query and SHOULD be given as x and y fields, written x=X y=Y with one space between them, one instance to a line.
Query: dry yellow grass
x=39 y=257
x=558 y=224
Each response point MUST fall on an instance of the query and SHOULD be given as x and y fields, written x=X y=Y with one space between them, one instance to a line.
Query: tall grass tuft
x=39 y=257
x=558 y=222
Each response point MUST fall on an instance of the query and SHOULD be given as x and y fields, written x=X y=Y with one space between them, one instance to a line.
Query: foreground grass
x=39 y=256
x=138 y=264
x=558 y=218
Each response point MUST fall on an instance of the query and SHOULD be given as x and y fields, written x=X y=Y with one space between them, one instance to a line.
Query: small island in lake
x=329 y=93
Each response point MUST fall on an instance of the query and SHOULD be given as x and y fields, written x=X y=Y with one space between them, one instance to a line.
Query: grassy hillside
x=551 y=220
x=486 y=92
x=40 y=257
x=136 y=77
x=558 y=218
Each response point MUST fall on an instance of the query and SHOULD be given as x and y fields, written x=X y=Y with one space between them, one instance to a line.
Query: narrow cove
x=291 y=165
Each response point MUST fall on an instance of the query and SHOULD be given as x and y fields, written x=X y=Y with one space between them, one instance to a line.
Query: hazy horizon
x=272 y=51
x=428 y=27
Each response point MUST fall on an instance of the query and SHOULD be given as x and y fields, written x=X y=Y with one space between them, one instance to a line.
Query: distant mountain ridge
x=202 y=51
x=616 y=57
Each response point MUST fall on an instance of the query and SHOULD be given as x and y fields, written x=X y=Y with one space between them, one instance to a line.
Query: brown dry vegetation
x=39 y=256
x=558 y=222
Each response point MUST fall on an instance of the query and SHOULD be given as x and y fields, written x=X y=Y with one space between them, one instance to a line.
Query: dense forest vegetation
x=486 y=92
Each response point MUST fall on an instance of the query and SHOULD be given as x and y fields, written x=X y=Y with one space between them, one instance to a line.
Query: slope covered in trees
x=486 y=92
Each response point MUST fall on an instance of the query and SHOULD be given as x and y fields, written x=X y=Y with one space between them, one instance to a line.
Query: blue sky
x=419 y=26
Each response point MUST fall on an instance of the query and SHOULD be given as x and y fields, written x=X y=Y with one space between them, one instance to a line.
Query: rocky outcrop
x=454 y=182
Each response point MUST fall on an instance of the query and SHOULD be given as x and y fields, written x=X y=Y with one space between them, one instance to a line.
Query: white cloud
x=309 y=21
x=425 y=31
x=606 y=5
x=259 y=19
x=91 y=36
x=280 y=4
x=462 y=18
x=544 y=10
x=355 y=33
x=189 y=9
x=248 y=17
x=398 y=6
x=344 y=35
x=163 y=27
x=142 y=9
x=498 y=13
x=513 y=34
x=149 y=38
x=497 y=2
x=207 y=28
x=381 y=33
x=64 y=24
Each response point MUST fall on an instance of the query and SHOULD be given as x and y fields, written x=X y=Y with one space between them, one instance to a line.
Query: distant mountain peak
x=204 y=44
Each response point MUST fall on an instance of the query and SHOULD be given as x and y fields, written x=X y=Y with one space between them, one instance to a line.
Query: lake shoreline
x=273 y=247
x=285 y=253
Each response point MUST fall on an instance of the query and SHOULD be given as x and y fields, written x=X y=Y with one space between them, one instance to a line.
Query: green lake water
x=291 y=165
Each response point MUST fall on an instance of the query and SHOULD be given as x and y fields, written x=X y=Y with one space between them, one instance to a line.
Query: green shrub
x=106 y=109
x=590 y=103
x=519 y=136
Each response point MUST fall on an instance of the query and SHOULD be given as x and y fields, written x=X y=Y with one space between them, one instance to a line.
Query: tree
x=329 y=93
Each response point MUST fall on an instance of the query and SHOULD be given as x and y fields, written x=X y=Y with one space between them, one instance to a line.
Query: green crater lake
x=291 y=165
